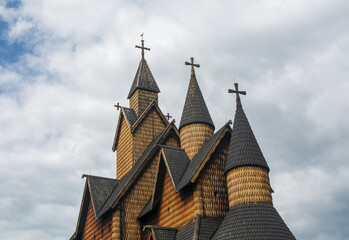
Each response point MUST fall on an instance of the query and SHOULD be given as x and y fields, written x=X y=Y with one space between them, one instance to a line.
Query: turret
x=144 y=88
x=251 y=212
x=196 y=124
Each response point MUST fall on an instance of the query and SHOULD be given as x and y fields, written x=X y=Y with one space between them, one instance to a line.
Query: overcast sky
x=64 y=64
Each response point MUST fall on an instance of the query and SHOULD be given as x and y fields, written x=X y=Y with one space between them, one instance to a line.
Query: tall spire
x=144 y=79
x=244 y=149
x=195 y=109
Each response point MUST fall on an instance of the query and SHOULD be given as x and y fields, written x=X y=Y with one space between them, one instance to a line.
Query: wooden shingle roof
x=243 y=149
x=195 y=109
x=143 y=80
x=253 y=221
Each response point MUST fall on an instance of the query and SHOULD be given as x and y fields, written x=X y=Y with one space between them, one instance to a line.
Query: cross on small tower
x=237 y=92
x=168 y=116
x=117 y=106
x=192 y=65
x=142 y=46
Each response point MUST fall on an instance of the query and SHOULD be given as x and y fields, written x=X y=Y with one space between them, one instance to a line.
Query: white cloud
x=58 y=121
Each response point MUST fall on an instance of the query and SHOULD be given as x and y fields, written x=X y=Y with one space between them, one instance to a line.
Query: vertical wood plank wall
x=141 y=99
x=213 y=184
x=175 y=209
x=124 y=151
x=93 y=228
x=148 y=129
x=136 y=199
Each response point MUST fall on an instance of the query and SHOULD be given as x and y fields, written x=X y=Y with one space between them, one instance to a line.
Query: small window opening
x=168 y=209
x=102 y=232
x=216 y=194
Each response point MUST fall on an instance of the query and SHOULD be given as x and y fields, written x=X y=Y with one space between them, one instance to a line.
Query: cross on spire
x=192 y=65
x=142 y=46
x=168 y=116
x=117 y=106
x=236 y=85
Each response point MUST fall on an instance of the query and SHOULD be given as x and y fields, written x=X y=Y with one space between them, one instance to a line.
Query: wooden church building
x=193 y=182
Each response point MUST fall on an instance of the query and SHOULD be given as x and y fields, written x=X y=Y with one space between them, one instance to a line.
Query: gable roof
x=176 y=161
x=243 y=149
x=100 y=189
x=199 y=160
x=97 y=189
x=133 y=121
x=132 y=175
x=195 y=109
x=253 y=221
x=162 y=233
x=143 y=80
x=202 y=228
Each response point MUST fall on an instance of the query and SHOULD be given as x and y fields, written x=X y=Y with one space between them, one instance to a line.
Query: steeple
x=196 y=124
x=244 y=149
x=144 y=88
x=195 y=109
x=251 y=212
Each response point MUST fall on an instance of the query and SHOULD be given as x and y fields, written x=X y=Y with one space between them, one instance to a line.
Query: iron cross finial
x=142 y=46
x=168 y=116
x=192 y=65
x=117 y=106
x=236 y=85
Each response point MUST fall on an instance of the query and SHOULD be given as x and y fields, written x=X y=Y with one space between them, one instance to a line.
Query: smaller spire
x=238 y=101
x=142 y=46
x=192 y=66
x=244 y=149
x=195 y=109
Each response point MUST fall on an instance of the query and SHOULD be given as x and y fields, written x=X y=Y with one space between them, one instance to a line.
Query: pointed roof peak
x=144 y=79
x=195 y=109
x=192 y=66
x=244 y=149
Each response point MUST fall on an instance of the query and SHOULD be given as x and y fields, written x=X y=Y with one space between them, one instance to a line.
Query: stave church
x=191 y=182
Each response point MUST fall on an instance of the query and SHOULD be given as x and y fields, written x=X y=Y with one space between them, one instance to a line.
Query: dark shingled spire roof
x=143 y=80
x=244 y=149
x=253 y=221
x=195 y=109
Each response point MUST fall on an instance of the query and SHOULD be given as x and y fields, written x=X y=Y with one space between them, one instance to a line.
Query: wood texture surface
x=248 y=185
x=193 y=136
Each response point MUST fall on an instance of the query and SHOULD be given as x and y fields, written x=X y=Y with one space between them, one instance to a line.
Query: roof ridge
x=89 y=175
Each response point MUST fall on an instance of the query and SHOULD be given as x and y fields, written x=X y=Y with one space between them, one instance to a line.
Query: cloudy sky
x=64 y=64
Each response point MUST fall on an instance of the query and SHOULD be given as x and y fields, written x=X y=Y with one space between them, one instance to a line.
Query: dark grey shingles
x=253 y=221
x=195 y=109
x=130 y=115
x=243 y=149
x=101 y=189
x=133 y=173
x=163 y=233
x=147 y=208
x=186 y=232
x=199 y=157
x=208 y=226
x=177 y=160
x=143 y=80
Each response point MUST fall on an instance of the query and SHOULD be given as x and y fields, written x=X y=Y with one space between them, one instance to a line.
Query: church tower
x=144 y=89
x=196 y=124
x=251 y=212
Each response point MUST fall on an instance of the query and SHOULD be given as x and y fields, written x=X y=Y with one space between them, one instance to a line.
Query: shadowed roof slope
x=195 y=109
x=143 y=80
x=244 y=149
x=100 y=189
x=253 y=221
